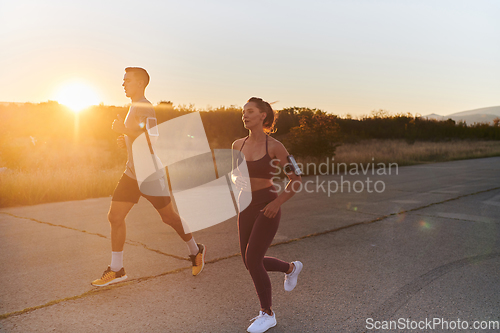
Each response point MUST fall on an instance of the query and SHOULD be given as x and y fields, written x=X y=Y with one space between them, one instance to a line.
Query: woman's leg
x=275 y=265
x=260 y=239
x=246 y=220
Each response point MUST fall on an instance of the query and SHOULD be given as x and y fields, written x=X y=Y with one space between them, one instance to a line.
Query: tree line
x=306 y=132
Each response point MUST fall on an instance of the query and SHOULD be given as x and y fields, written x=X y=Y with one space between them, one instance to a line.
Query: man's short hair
x=140 y=73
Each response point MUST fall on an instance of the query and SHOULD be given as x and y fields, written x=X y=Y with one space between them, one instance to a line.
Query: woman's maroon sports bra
x=261 y=168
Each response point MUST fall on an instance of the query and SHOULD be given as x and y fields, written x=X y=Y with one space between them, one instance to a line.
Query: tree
x=316 y=137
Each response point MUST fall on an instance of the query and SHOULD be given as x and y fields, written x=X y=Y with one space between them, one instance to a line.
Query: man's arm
x=119 y=127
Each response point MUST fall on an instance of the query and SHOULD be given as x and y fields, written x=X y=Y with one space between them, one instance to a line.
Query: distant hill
x=493 y=110
x=482 y=115
x=435 y=116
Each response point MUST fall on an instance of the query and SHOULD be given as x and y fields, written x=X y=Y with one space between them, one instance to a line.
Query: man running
x=127 y=192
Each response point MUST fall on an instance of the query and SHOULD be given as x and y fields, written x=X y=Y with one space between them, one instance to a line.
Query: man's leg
x=116 y=217
x=197 y=251
x=169 y=216
x=126 y=194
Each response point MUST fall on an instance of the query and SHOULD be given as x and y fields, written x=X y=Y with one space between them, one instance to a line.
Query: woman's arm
x=293 y=184
x=236 y=176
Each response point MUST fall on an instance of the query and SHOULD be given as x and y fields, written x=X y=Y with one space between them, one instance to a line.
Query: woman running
x=258 y=223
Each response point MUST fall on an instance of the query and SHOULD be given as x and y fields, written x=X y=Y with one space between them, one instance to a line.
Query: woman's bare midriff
x=259 y=183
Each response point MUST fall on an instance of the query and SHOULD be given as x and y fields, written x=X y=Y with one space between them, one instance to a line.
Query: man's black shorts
x=127 y=190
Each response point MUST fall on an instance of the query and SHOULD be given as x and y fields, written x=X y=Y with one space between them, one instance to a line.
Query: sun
x=77 y=96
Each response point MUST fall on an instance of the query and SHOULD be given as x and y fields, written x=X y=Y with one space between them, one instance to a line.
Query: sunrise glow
x=77 y=96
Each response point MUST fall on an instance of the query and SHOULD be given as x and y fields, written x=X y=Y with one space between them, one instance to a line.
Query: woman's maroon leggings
x=256 y=233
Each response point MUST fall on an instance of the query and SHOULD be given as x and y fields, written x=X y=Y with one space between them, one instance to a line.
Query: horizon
x=211 y=108
x=340 y=57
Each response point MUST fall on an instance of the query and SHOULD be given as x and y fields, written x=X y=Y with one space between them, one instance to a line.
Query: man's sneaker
x=291 y=279
x=110 y=277
x=262 y=323
x=198 y=260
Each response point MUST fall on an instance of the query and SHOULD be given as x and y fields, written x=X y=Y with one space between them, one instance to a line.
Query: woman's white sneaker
x=291 y=279
x=262 y=323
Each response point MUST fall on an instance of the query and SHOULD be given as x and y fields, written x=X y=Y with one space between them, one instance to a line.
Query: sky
x=344 y=57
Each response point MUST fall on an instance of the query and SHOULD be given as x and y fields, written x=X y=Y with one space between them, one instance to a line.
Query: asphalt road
x=427 y=248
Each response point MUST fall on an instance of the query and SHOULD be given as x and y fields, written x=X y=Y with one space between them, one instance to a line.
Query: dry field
x=403 y=153
x=57 y=171
x=379 y=153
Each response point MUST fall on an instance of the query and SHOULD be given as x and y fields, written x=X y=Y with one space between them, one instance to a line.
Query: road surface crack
x=128 y=241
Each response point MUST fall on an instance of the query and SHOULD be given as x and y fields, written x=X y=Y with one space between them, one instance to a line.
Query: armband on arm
x=151 y=126
x=292 y=166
